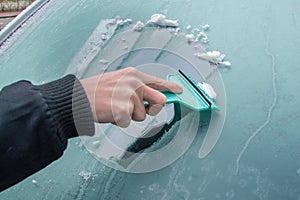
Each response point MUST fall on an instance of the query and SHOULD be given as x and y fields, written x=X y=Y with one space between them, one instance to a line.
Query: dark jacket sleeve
x=35 y=124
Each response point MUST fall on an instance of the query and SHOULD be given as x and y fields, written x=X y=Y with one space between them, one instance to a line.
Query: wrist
x=68 y=106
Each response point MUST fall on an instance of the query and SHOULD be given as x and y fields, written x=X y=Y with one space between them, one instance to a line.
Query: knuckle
x=134 y=96
x=123 y=111
x=158 y=81
x=130 y=70
x=123 y=117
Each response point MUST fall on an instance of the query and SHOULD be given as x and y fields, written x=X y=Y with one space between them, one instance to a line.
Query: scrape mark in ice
x=102 y=33
x=110 y=178
x=177 y=171
x=182 y=190
x=270 y=111
x=295 y=20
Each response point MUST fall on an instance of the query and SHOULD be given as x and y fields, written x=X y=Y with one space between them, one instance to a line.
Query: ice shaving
x=161 y=20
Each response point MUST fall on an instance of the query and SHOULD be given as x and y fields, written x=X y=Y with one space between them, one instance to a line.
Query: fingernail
x=179 y=89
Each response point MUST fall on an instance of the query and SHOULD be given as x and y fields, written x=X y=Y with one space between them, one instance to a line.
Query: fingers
x=123 y=93
x=155 y=99
x=122 y=114
x=139 y=111
x=136 y=110
x=153 y=81
x=131 y=109
x=159 y=84
x=153 y=110
x=146 y=90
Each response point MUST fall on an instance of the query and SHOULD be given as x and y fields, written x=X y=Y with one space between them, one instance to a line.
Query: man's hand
x=118 y=97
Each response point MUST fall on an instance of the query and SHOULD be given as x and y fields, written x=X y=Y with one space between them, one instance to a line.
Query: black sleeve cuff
x=68 y=106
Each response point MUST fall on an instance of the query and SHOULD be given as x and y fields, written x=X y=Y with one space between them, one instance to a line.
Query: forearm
x=35 y=124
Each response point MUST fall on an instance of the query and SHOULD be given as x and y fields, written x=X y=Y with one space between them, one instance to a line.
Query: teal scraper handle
x=192 y=96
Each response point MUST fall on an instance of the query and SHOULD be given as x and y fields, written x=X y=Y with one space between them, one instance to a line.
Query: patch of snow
x=104 y=36
x=139 y=26
x=226 y=63
x=161 y=20
x=205 y=27
x=190 y=37
x=104 y=62
x=122 y=22
x=215 y=57
x=119 y=21
x=203 y=37
x=96 y=142
x=85 y=174
x=208 y=89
